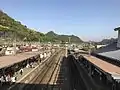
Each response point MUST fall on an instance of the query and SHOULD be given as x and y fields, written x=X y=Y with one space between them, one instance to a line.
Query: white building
x=99 y=46
x=10 y=51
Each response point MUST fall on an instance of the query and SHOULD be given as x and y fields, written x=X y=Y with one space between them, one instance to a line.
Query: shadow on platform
x=23 y=86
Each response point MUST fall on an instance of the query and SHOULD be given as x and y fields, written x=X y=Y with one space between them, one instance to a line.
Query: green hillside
x=63 y=38
x=10 y=28
x=17 y=29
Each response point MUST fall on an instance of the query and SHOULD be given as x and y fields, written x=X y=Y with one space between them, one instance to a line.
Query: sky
x=88 y=19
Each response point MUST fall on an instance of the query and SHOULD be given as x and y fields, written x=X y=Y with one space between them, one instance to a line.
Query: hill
x=108 y=41
x=63 y=38
x=12 y=29
x=105 y=41
x=15 y=29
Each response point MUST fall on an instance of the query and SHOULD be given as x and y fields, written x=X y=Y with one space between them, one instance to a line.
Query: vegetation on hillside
x=107 y=41
x=13 y=29
x=17 y=29
x=63 y=38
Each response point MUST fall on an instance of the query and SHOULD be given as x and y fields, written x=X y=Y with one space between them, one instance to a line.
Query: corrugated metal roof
x=111 y=54
x=110 y=47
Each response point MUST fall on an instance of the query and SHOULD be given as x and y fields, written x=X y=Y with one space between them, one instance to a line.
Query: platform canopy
x=6 y=61
x=112 y=54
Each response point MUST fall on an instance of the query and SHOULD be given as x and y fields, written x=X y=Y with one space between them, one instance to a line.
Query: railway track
x=77 y=82
x=46 y=78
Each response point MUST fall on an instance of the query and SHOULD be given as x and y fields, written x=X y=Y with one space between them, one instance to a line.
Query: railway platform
x=102 y=72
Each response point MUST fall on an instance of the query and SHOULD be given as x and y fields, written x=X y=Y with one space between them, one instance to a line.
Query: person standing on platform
x=21 y=71
x=27 y=66
x=13 y=79
x=8 y=79
x=41 y=57
x=45 y=55
x=2 y=80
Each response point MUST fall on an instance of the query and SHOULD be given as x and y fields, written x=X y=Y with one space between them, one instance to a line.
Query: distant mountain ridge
x=63 y=38
x=107 y=41
x=15 y=29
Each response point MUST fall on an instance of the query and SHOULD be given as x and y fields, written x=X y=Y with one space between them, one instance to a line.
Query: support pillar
x=66 y=51
x=114 y=86
x=90 y=70
x=100 y=77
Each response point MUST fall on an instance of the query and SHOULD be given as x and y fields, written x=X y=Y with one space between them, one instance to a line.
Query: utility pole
x=90 y=48
x=69 y=40
x=39 y=41
x=14 y=44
